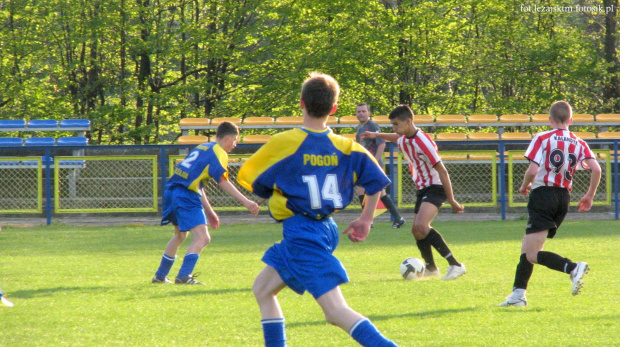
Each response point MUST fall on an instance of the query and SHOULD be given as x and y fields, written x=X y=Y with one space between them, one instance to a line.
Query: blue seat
x=12 y=123
x=43 y=123
x=72 y=141
x=11 y=141
x=75 y=123
x=40 y=141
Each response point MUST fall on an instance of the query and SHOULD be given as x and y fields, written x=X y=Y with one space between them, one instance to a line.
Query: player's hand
x=525 y=190
x=585 y=203
x=252 y=206
x=213 y=219
x=368 y=135
x=456 y=207
x=358 y=230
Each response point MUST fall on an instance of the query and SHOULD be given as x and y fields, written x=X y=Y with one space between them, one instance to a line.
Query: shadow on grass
x=424 y=314
x=45 y=292
x=202 y=292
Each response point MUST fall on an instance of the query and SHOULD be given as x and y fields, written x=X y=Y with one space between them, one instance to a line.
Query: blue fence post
x=502 y=180
x=392 y=170
x=617 y=202
x=48 y=185
x=162 y=167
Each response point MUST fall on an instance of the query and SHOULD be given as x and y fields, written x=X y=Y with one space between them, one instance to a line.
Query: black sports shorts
x=547 y=208
x=433 y=194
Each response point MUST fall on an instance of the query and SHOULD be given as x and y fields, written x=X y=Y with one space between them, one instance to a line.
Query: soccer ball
x=412 y=268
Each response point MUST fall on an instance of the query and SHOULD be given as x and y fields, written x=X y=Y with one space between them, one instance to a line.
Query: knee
x=419 y=230
x=532 y=257
x=335 y=314
x=260 y=291
x=204 y=240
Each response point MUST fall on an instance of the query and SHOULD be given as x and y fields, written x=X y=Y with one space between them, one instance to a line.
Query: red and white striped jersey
x=558 y=154
x=421 y=153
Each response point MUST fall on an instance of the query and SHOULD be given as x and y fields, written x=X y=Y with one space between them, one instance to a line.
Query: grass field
x=90 y=286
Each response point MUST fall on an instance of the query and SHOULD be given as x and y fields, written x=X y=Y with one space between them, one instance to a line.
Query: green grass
x=87 y=286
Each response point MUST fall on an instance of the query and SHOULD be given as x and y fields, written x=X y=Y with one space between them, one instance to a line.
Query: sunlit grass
x=85 y=286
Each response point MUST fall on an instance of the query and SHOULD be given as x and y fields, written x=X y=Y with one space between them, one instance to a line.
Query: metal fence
x=103 y=179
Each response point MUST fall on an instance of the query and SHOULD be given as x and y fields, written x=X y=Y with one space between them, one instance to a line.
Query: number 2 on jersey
x=328 y=192
x=187 y=162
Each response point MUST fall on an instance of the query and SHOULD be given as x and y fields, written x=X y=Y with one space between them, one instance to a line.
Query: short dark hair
x=320 y=93
x=364 y=104
x=226 y=129
x=401 y=112
x=560 y=111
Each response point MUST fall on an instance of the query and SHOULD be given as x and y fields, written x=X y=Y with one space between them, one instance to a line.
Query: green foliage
x=81 y=286
x=136 y=68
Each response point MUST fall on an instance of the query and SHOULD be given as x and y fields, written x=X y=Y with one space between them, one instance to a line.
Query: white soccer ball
x=412 y=269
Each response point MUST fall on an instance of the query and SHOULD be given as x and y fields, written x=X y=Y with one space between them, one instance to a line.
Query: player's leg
x=359 y=191
x=387 y=202
x=170 y=255
x=422 y=225
x=266 y=287
x=530 y=246
x=548 y=207
x=360 y=328
x=200 y=239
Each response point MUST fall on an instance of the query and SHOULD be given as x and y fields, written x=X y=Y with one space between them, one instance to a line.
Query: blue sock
x=189 y=262
x=164 y=266
x=273 y=332
x=367 y=335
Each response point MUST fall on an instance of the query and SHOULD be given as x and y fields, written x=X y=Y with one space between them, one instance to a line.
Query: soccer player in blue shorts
x=308 y=174
x=186 y=206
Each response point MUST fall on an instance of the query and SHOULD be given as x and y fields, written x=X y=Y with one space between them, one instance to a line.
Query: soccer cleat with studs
x=576 y=276
x=434 y=273
x=157 y=280
x=190 y=279
x=454 y=271
x=515 y=300
x=398 y=223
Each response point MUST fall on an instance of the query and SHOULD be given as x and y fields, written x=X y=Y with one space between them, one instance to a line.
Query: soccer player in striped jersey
x=308 y=174
x=554 y=157
x=433 y=188
x=186 y=206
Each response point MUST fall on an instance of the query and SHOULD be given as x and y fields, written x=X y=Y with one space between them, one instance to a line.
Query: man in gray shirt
x=375 y=147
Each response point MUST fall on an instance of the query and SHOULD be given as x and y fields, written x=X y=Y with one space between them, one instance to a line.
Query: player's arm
x=379 y=153
x=235 y=193
x=528 y=178
x=444 y=177
x=212 y=217
x=595 y=177
x=392 y=137
x=358 y=229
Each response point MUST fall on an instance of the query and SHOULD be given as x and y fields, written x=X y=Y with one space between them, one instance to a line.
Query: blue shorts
x=182 y=207
x=304 y=257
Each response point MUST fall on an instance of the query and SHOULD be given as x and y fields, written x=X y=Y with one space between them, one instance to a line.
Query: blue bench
x=11 y=141
x=45 y=160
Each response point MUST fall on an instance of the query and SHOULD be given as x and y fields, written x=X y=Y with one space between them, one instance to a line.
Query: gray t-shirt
x=370 y=144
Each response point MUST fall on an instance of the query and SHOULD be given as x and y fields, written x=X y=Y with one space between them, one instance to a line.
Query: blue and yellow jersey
x=207 y=160
x=312 y=173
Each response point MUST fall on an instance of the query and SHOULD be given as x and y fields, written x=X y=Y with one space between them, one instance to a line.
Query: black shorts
x=547 y=208
x=434 y=194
